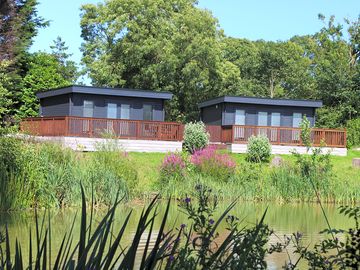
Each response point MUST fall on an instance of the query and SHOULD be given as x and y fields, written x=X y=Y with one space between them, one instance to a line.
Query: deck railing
x=170 y=131
x=282 y=135
x=102 y=127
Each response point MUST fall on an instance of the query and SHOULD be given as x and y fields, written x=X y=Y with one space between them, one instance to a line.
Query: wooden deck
x=69 y=126
x=277 y=135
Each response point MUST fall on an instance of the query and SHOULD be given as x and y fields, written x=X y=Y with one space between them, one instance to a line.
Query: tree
x=5 y=96
x=45 y=72
x=156 y=44
x=19 y=24
x=68 y=68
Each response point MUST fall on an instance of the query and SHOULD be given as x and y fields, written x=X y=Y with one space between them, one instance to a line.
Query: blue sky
x=252 y=19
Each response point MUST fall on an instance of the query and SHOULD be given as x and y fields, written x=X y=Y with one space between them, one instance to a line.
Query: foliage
x=20 y=24
x=305 y=133
x=209 y=162
x=195 y=245
x=315 y=168
x=6 y=101
x=241 y=249
x=195 y=136
x=258 y=149
x=172 y=167
x=45 y=72
x=163 y=45
x=340 y=252
x=45 y=174
x=353 y=133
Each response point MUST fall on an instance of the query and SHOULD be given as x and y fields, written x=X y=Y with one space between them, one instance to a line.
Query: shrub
x=208 y=161
x=353 y=133
x=172 y=167
x=258 y=149
x=195 y=136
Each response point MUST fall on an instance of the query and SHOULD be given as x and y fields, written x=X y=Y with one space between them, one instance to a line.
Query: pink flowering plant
x=173 y=166
x=210 y=162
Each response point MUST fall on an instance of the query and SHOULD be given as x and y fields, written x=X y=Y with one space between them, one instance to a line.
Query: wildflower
x=211 y=221
x=171 y=258
x=182 y=226
x=187 y=200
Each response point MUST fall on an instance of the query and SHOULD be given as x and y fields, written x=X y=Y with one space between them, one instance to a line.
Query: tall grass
x=47 y=175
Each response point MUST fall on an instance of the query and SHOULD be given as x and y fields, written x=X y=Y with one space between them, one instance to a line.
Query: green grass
x=46 y=175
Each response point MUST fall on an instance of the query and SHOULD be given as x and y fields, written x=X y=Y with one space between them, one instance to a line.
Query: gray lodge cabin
x=93 y=112
x=97 y=102
x=234 y=119
x=252 y=111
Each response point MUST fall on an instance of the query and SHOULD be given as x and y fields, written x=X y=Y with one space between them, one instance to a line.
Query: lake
x=284 y=219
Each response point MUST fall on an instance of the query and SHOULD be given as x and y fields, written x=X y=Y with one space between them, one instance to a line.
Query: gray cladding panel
x=251 y=111
x=101 y=101
x=212 y=115
x=55 y=106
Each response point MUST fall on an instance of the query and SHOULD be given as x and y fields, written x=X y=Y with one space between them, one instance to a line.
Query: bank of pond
x=37 y=175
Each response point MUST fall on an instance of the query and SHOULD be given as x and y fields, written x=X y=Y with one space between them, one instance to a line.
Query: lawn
x=148 y=167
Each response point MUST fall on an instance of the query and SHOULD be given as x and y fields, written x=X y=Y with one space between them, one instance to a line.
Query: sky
x=251 y=19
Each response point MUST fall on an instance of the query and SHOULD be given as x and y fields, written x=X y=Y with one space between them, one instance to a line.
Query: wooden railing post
x=66 y=126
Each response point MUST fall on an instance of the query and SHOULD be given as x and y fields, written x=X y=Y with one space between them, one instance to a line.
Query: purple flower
x=211 y=221
x=171 y=258
x=187 y=200
x=182 y=226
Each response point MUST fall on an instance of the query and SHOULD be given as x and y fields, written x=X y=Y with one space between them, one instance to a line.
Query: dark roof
x=104 y=91
x=262 y=101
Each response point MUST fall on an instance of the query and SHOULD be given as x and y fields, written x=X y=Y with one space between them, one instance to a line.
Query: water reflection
x=284 y=219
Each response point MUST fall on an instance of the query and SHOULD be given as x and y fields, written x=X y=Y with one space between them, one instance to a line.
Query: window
x=262 y=118
x=275 y=119
x=88 y=108
x=240 y=117
x=111 y=110
x=147 y=112
x=125 y=111
x=296 y=119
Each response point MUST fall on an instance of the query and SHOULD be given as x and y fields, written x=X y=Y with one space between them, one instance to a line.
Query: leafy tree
x=45 y=72
x=5 y=96
x=68 y=68
x=157 y=44
x=19 y=24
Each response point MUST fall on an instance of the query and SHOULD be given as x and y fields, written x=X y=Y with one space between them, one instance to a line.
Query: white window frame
x=125 y=111
x=152 y=112
x=112 y=110
x=240 y=117
x=261 y=114
x=88 y=105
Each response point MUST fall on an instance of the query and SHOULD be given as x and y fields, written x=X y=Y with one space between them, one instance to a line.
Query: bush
x=258 y=149
x=195 y=136
x=172 y=167
x=353 y=133
x=209 y=162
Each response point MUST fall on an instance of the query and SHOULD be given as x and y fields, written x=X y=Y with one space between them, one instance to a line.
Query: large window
x=262 y=119
x=88 y=108
x=240 y=117
x=147 y=112
x=111 y=110
x=125 y=111
x=296 y=119
x=275 y=119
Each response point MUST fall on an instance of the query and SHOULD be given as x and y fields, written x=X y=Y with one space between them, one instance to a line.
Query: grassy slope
x=148 y=164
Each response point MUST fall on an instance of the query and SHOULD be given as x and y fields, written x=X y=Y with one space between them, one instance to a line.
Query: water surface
x=284 y=219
